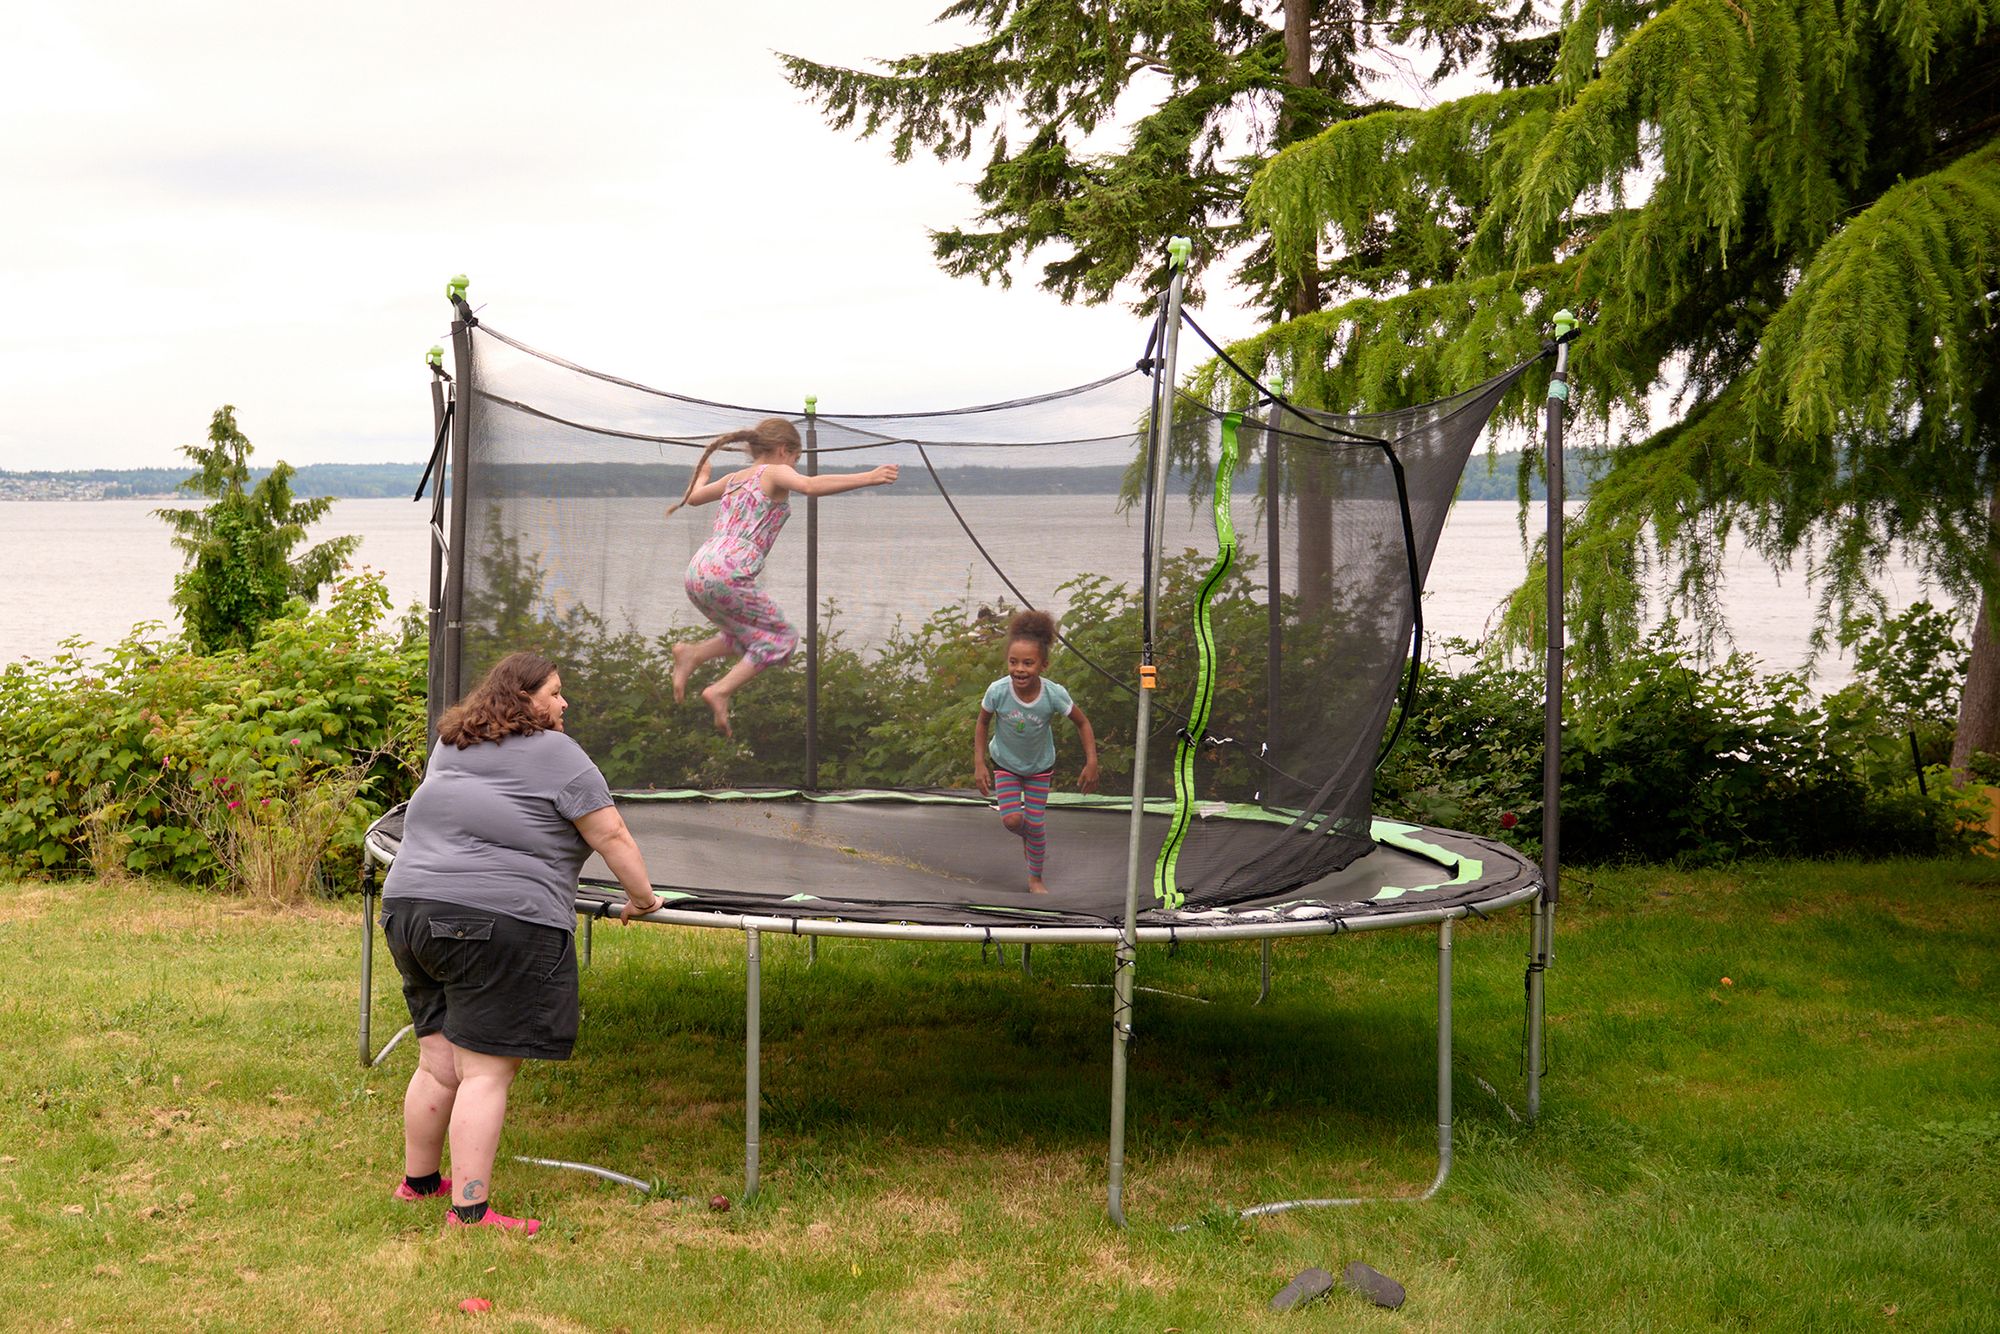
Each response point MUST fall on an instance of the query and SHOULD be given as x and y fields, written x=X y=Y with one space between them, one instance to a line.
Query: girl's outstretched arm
x=784 y=477
x=704 y=490
x=1086 y=781
x=982 y=777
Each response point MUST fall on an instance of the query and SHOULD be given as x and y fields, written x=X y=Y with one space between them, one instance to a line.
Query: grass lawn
x=188 y=1141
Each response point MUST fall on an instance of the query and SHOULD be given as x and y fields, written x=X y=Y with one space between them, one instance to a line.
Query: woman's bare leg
x=718 y=693
x=476 y=1116
x=687 y=657
x=427 y=1105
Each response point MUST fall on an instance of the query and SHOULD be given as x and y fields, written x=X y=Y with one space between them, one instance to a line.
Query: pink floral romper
x=722 y=576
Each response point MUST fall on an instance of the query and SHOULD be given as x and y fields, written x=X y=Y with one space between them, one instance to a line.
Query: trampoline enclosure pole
x=1541 y=919
x=1273 y=582
x=1178 y=250
x=812 y=598
x=461 y=499
x=434 y=603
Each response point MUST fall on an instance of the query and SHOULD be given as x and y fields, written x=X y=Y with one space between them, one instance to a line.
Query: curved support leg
x=1444 y=1104
x=1264 y=985
x=753 y=1042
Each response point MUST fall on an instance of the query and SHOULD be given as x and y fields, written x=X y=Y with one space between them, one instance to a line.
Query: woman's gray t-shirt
x=490 y=827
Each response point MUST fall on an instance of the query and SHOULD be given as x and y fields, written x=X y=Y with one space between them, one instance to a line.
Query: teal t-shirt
x=1023 y=740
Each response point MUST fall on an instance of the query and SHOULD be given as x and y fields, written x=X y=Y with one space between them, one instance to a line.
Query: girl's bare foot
x=718 y=704
x=1035 y=885
x=683 y=669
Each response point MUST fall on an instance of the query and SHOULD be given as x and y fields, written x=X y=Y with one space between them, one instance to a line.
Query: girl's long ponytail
x=728 y=438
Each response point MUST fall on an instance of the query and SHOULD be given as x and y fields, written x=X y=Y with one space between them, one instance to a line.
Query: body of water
x=92 y=569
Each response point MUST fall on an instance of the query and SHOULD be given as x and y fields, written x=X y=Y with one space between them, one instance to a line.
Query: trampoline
x=1279 y=557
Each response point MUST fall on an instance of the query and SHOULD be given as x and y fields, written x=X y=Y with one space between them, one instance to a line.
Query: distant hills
x=350 y=480
x=365 y=481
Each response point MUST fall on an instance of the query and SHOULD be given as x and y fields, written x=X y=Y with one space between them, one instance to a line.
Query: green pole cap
x=455 y=289
x=435 y=357
x=812 y=404
x=1178 y=251
x=1566 y=320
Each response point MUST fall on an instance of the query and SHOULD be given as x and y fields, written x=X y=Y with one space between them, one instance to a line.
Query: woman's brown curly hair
x=498 y=707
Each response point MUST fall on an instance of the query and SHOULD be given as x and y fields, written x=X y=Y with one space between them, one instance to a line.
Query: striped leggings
x=1025 y=795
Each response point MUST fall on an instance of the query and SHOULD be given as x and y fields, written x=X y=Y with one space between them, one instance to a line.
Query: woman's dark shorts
x=490 y=983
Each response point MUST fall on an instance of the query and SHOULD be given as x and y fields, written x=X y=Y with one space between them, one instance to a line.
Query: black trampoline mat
x=939 y=860
x=898 y=858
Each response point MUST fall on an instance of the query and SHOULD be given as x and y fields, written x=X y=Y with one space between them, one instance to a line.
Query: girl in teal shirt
x=1016 y=732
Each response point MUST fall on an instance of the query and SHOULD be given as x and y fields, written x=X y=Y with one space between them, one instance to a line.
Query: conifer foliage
x=1781 y=219
x=1784 y=215
x=240 y=567
x=1198 y=93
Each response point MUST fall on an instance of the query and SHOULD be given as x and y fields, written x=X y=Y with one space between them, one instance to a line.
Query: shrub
x=1668 y=759
x=128 y=759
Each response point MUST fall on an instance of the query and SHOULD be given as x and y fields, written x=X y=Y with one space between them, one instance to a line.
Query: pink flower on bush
x=297 y=741
x=234 y=804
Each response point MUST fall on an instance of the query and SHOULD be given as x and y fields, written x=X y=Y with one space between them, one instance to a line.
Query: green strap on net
x=1164 y=887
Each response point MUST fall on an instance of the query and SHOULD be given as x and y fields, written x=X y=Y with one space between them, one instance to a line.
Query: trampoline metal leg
x=587 y=940
x=812 y=950
x=1121 y=1039
x=1444 y=1103
x=367 y=950
x=753 y=1093
x=1264 y=984
x=1444 y=1057
x=1537 y=961
x=1027 y=967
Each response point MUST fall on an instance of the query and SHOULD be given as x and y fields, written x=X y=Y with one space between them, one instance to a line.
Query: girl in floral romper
x=722 y=576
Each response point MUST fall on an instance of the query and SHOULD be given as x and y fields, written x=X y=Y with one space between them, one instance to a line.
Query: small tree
x=240 y=568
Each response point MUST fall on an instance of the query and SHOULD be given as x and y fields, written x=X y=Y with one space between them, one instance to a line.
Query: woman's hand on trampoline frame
x=631 y=909
x=604 y=829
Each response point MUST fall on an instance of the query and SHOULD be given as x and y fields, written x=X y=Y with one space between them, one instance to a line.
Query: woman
x=479 y=910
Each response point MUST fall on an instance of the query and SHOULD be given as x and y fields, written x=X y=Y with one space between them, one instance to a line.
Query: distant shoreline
x=344 y=481
x=379 y=481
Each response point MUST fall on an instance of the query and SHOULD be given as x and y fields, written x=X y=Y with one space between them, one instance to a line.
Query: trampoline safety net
x=901 y=594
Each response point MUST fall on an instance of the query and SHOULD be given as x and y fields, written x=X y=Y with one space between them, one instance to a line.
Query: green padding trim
x=1392 y=835
x=1165 y=888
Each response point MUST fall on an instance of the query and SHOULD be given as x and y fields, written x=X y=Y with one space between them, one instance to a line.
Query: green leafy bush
x=1667 y=759
x=131 y=762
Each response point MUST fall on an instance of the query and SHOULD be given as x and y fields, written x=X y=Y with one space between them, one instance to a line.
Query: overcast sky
x=259 y=204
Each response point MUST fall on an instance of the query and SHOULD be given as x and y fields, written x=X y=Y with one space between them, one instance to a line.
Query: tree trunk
x=1979 y=702
x=1310 y=484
